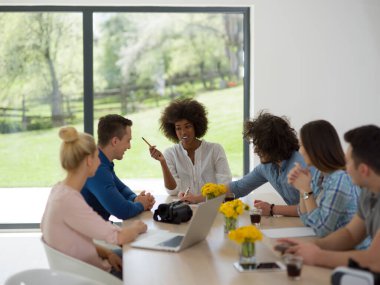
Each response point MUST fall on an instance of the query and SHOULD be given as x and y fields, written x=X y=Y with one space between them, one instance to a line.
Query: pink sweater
x=70 y=225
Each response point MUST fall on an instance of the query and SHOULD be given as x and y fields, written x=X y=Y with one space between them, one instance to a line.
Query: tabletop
x=211 y=261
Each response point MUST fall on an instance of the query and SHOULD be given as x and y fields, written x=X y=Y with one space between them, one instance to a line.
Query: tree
x=37 y=58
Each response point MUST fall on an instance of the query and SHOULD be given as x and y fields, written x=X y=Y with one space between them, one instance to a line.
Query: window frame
x=88 y=62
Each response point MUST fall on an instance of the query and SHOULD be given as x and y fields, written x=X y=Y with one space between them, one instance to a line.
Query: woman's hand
x=300 y=178
x=115 y=261
x=139 y=226
x=156 y=154
x=192 y=199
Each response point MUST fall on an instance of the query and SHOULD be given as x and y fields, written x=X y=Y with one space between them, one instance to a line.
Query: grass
x=31 y=159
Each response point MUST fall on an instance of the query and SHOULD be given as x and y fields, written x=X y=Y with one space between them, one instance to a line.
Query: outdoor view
x=141 y=62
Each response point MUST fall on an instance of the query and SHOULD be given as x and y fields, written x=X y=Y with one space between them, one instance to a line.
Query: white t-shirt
x=210 y=166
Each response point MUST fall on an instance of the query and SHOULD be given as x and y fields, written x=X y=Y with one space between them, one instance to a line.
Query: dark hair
x=272 y=137
x=181 y=109
x=111 y=126
x=321 y=142
x=365 y=143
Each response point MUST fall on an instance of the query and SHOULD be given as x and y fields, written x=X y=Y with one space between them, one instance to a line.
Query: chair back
x=63 y=262
x=48 y=276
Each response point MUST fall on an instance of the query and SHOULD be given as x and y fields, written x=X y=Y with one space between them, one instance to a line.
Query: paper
x=289 y=232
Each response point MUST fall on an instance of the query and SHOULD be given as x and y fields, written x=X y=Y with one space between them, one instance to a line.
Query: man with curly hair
x=276 y=144
x=191 y=162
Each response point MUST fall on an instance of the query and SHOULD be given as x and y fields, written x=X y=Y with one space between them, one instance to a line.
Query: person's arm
x=169 y=180
x=284 y=210
x=103 y=187
x=112 y=257
x=193 y=199
x=335 y=249
x=249 y=182
x=345 y=238
x=171 y=156
x=335 y=206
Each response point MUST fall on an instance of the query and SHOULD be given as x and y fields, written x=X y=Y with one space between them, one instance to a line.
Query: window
x=71 y=65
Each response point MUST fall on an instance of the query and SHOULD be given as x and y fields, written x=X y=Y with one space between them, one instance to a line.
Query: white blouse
x=210 y=166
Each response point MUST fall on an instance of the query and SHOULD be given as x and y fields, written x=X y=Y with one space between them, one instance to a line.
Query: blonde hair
x=75 y=147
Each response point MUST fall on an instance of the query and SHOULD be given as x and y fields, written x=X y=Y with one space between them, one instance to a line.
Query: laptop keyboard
x=173 y=242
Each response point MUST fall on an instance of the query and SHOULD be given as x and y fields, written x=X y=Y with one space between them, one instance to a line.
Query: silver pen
x=187 y=191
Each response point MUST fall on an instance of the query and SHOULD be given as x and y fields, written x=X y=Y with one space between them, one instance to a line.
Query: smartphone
x=258 y=267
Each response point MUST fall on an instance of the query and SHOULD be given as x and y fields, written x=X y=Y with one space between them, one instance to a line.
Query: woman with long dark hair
x=328 y=198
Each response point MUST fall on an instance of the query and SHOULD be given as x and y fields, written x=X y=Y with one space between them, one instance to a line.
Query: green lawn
x=32 y=158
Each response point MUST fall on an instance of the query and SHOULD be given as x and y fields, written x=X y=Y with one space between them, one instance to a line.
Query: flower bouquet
x=246 y=236
x=212 y=190
x=231 y=210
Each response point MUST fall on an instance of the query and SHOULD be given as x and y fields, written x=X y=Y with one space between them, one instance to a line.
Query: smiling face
x=185 y=132
x=123 y=144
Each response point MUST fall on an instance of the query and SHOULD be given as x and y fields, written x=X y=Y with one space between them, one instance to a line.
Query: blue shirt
x=107 y=195
x=337 y=200
x=274 y=174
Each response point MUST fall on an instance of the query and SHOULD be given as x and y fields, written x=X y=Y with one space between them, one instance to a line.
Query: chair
x=350 y=276
x=48 y=276
x=62 y=262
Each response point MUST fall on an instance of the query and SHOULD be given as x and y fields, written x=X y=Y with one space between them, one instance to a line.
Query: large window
x=71 y=65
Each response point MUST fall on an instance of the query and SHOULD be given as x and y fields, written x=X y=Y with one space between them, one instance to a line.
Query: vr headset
x=354 y=274
x=173 y=213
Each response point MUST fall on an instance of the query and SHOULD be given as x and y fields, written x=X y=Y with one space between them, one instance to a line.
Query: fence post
x=23 y=120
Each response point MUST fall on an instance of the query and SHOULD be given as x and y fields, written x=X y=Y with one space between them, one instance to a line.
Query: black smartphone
x=263 y=266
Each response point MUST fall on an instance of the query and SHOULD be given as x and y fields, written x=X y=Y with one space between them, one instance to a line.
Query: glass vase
x=247 y=253
x=229 y=224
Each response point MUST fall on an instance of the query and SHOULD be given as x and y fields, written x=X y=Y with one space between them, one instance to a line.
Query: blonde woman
x=69 y=224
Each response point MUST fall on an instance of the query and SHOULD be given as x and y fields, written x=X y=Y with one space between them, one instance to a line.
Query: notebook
x=197 y=231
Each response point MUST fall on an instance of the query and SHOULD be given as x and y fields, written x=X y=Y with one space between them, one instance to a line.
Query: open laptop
x=197 y=231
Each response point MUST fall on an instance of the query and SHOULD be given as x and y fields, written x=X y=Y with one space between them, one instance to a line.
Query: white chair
x=62 y=262
x=48 y=276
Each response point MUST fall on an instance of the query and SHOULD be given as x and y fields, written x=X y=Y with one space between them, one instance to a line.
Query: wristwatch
x=306 y=195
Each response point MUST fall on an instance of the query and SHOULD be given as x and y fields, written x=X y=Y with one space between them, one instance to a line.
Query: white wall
x=311 y=59
x=318 y=59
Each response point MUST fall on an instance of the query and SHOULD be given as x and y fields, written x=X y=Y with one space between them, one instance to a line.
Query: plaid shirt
x=337 y=200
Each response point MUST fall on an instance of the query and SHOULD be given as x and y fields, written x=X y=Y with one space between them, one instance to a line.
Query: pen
x=146 y=141
x=187 y=191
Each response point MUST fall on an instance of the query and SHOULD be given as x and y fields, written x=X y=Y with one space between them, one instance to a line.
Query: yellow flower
x=233 y=209
x=245 y=234
x=211 y=190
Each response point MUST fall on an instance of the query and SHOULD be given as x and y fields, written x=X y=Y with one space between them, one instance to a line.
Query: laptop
x=197 y=231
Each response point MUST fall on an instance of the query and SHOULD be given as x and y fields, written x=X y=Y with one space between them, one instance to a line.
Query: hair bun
x=68 y=134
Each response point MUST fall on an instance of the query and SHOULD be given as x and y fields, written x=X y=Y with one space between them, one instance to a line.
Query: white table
x=211 y=261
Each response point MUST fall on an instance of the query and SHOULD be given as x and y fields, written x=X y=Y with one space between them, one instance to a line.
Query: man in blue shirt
x=105 y=192
x=276 y=144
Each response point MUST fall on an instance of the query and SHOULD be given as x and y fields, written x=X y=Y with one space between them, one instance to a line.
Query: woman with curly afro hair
x=191 y=162
x=276 y=144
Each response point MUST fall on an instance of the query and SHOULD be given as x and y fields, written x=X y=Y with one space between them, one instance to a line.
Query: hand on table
x=264 y=206
x=307 y=250
x=192 y=199
x=146 y=199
